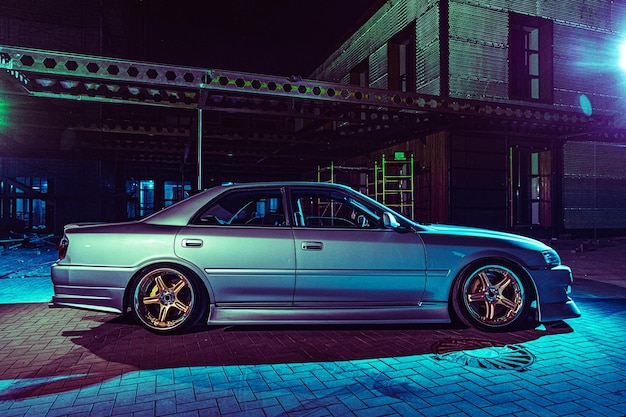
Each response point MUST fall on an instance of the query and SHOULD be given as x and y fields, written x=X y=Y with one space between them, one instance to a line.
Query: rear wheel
x=492 y=296
x=167 y=299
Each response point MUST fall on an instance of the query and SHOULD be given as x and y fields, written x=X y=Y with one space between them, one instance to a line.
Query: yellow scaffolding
x=354 y=177
x=393 y=183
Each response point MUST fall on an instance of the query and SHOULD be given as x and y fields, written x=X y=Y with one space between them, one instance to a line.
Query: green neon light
x=4 y=113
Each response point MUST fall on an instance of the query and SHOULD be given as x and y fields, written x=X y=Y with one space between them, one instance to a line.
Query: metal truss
x=254 y=122
x=91 y=78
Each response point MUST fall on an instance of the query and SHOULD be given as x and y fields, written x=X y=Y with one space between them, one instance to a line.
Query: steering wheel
x=362 y=221
x=255 y=217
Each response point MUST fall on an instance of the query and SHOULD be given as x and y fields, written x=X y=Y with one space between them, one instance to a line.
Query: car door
x=244 y=246
x=344 y=255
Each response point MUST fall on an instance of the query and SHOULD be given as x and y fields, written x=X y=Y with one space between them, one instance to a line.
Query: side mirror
x=390 y=221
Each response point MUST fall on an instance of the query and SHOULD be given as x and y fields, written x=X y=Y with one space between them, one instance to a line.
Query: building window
x=401 y=60
x=531 y=186
x=359 y=75
x=530 y=58
x=175 y=191
x=23 y=204
x=140 y=198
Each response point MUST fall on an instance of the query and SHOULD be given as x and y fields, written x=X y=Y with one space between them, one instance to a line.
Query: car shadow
x=111 y=346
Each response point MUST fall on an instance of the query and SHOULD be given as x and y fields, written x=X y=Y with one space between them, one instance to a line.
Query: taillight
x=63 y=244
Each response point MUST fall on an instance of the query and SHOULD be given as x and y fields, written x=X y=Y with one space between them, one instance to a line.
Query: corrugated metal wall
x=378 y=68
x=35 y=25
x=586 y=49
x=586 y=38
x=478 y=181
x=478 y=52
x=594 y=185
x=585 y=62
x=428 y=71
x=370 y=42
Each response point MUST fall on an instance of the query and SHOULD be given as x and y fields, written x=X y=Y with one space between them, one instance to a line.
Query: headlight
x=551 y=257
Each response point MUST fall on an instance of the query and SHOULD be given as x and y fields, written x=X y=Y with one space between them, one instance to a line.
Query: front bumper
x=553 y=287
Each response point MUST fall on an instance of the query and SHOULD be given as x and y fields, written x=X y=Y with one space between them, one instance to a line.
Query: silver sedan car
x=307 y=253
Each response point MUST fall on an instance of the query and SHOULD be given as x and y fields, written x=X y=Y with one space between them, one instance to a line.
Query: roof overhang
x=269 y=126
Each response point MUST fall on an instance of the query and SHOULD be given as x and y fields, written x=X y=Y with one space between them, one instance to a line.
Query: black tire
x=492 y=296
x=167 y=299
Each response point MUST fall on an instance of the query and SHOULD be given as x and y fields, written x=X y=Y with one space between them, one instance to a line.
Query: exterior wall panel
x=585 y=52
x=376 y=32
x=478 y=40
x=378 y=68
x=478 y=189
x=585 y=49
x=23 y=24
x=585 y=62
x=478 y=71
x=428 y=53
x=594 y=185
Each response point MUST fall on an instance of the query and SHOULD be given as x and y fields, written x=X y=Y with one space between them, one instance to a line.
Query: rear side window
x=245 y=208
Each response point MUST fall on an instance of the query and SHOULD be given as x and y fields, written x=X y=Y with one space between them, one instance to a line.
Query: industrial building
x=489 y=113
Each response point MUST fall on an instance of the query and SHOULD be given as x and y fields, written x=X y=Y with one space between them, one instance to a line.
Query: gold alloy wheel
x=164 y=299
x=493 y=296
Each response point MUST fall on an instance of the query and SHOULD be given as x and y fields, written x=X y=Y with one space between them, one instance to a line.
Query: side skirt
x=426 y=313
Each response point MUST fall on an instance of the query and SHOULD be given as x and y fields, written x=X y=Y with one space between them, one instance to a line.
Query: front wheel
x=166 y=299
x=492 y=296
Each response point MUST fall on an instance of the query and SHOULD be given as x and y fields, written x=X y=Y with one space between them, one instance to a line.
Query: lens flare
x=622 y=56
x=585 y=105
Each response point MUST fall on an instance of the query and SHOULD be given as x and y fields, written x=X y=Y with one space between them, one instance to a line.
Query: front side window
x=332 y=209
x=245 y=208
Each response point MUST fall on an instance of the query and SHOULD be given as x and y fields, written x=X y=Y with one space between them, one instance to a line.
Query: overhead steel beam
x=67 y=75
x=311 y=117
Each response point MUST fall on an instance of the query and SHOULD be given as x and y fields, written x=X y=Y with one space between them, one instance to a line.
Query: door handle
x=192 y=243
x=312 y=245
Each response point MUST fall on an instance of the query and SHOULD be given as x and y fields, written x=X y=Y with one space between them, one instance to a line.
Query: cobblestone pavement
x=62 y=362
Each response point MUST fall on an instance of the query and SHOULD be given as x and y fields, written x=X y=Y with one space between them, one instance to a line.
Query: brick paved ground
x=58 y=362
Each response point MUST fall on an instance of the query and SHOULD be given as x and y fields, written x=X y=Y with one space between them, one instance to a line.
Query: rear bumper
x=98 y=303
x=92 y=288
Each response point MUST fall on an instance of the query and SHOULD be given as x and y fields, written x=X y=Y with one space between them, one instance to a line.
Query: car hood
x=475 y=232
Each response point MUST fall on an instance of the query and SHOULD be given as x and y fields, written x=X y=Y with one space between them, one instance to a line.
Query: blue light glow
x=622 y=56
x=585 y=105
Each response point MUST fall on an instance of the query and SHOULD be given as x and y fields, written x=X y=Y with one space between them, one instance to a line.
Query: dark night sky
x=279 y=37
